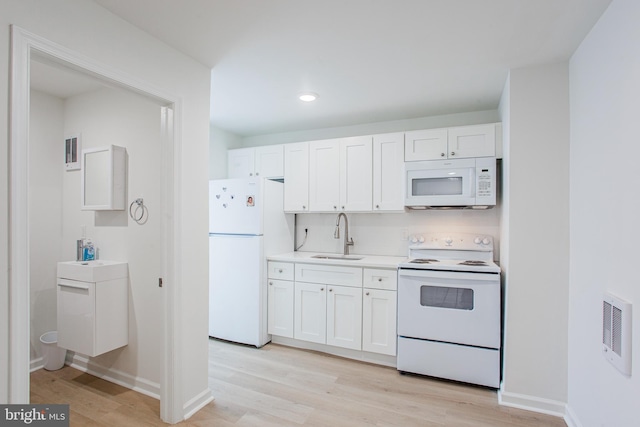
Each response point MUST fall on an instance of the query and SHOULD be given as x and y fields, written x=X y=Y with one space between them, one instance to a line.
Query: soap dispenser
x=89 y=252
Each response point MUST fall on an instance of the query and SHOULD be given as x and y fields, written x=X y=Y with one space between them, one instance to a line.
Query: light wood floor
x=281 y=386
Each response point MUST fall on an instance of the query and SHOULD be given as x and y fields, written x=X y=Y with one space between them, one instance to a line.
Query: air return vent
x=616 y=332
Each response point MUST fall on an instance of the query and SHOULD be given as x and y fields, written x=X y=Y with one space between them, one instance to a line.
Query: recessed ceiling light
x=308 y=96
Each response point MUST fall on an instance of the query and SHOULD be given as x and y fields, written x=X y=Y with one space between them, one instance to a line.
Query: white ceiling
x=369 y=60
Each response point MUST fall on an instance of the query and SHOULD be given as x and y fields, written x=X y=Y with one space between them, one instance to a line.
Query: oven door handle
x=455 y=275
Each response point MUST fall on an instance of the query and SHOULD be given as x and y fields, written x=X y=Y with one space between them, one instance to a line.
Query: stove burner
x=423 y=261
x=472 y=262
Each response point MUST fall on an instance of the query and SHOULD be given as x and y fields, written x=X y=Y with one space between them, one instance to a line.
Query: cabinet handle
x=330 y=289
x=335 y=207
x=270 y=283
x=322 y=289
x=250 y=174
x=279 y=270
x=367 y=293
x=441 y=154
x=343 y=208
x=257 y=173
x=379 y=279
x=69 y=285
x=304 y=207
x=453 y=153
x=377 y=206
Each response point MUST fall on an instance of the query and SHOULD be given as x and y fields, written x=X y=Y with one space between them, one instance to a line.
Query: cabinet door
x=430 y=144
x=344 y=317
x=269 y=161
x=355 y=174
x=240 y=163
x=472 y=141
x=310 y=313
x=388 y=172
x=296 y=177
x=324 y=175
x=379 y=321
x=280 y=308
x=76 y=315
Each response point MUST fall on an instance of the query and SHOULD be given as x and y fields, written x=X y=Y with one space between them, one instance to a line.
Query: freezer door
x=235 y=206
x=237 y=298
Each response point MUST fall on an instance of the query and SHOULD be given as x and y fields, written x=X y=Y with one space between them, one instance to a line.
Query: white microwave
x=457 y=183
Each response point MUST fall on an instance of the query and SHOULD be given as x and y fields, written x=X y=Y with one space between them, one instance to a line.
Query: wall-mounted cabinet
x=104 y=178
x=388 y=172
x=266 y=162
x=296 y=177
x=458 y=142
x=340 y=175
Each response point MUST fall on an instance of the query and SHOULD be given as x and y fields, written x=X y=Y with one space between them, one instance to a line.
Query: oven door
x=449 y=306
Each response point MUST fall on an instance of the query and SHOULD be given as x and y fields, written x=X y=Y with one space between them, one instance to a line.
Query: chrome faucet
x=336 y=234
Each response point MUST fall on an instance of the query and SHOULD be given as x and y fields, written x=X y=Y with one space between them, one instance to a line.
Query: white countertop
x=373 y=261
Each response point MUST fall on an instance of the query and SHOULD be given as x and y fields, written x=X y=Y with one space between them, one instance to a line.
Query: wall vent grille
x=616 y=332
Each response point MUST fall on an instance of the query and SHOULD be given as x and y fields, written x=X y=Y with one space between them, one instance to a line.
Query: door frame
x=23 y=45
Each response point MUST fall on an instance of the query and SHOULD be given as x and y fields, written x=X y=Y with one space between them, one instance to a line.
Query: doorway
x=29 y=50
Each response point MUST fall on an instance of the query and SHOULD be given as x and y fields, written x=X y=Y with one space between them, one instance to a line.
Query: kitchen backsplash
x=388 y=233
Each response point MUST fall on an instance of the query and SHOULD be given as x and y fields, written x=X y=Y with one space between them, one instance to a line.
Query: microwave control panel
x=486 y=180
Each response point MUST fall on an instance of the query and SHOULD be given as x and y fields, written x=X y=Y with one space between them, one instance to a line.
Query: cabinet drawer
x=329 y=274
x=376 y=278
x=280 y=270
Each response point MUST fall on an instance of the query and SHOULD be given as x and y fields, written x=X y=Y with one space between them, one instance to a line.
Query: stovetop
x=451 y=252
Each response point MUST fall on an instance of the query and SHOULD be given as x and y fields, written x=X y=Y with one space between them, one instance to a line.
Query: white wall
x=105 y=117
x=460 y=119
x=537 y=238
x=90 y=30
x=605 y=89
x=219 y=142
x=46 y=149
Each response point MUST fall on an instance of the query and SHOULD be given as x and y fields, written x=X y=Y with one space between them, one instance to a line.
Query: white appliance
x=449 y=308
x=458 y=183
x=246 y=224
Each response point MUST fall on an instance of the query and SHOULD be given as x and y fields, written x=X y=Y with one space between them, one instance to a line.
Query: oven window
x=438 y=296
x=436 y=186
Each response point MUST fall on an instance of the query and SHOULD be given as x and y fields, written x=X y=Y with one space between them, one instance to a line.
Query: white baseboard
x=138 y=384
x=532 y=403
x=197 y=403
x=571 y=419
x=36 y=364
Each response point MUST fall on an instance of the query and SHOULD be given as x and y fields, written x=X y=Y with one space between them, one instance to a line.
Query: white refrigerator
x=246 y=224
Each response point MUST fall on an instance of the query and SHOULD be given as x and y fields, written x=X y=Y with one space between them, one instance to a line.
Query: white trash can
x=52 y=355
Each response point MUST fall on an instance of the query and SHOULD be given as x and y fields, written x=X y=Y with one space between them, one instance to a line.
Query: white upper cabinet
x=472 y=141
x=340 y=175
x=324 y=175
x=355 y=174
x=296 y=177
x=459 y=142
x=427 y=144
x=388 y=172
x=266 y=162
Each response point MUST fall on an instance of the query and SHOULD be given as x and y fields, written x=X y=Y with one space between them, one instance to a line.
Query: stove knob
x=414 y=239
x=448 y=241
x=477 y=240
x=486 y=241
x=421 y=239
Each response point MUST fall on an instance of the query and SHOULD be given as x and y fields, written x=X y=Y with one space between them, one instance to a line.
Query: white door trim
x=23 y=44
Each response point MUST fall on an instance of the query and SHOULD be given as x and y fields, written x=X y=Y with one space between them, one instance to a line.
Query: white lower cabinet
x=379 y=321
x=280 y=308
x=344 y=317
x=310 y=312
x=340 y=306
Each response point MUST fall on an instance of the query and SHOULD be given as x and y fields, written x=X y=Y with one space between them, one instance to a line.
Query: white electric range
x=449 y=309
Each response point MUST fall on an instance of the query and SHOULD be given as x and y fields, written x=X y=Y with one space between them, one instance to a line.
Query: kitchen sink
x=342 y=257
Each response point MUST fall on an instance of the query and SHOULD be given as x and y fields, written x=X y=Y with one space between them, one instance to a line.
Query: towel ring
x=139 y=212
